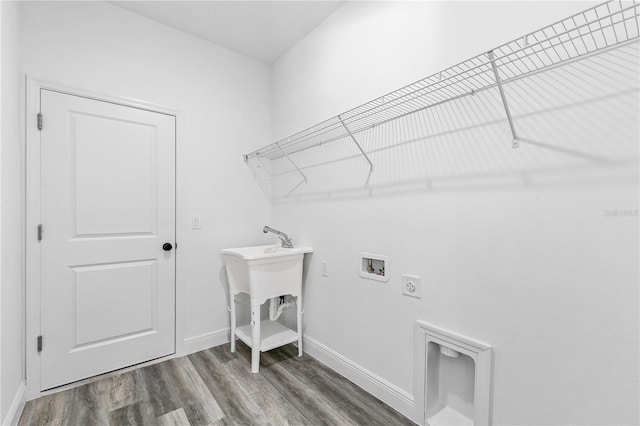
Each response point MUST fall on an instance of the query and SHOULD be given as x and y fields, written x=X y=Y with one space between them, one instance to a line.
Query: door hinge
x=40 y=343
x=39 y=121
x=40 y=232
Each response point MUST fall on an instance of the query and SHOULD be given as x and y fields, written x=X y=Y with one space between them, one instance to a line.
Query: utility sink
x=265 y=272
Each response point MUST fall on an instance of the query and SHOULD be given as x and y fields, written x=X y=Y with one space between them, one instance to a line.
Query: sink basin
x=264 y=271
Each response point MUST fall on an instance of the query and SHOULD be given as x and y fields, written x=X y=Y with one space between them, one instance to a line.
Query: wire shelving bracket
x=598 y=29
x=515 y=143
x=304 y=177
x=357 y=144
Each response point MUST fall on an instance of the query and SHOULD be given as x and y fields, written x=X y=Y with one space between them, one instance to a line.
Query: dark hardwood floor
x=216 y=387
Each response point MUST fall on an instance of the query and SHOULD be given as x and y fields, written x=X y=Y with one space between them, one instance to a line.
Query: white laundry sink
x=265 y=272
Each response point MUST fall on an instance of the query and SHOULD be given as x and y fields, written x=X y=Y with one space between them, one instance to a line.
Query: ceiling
x=263 y=30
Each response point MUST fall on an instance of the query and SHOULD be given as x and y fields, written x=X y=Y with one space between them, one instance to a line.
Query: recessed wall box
x=452 y=382
x=374 y=266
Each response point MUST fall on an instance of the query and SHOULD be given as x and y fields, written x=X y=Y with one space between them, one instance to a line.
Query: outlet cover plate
x=411 y=286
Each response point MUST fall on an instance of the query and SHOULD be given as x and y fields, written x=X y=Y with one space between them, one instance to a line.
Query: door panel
x=113 y=301
x=115 y=175
x=107 y=206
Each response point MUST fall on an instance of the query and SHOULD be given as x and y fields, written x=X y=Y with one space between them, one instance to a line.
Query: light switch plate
x=323 y=268
x=195 y=222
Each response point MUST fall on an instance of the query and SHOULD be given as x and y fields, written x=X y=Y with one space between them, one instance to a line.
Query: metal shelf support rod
x=515 y=143
x=304 y=177
x=357 y=144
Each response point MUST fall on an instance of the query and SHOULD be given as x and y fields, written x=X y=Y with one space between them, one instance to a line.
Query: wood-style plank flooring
x=216 y=387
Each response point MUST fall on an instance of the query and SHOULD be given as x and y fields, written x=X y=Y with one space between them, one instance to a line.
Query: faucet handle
x=287 y=243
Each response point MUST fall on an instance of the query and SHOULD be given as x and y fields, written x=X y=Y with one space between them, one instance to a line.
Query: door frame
x=32 y=211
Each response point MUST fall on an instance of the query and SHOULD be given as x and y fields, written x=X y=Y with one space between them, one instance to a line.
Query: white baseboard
x=206 y=341
x=215 y=338
x=17 y=405
x=385 y=391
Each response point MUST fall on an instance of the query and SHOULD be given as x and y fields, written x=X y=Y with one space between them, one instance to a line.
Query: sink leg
x=232 y=311
x=299 y=306
x=255 y=338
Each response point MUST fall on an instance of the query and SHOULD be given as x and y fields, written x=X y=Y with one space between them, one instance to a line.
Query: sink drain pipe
x=275 y=308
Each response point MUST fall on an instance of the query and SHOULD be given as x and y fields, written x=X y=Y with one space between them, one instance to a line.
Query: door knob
x=167 y=247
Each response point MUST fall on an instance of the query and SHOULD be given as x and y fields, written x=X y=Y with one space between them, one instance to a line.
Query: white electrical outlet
x=411 y=286
x=323 y=268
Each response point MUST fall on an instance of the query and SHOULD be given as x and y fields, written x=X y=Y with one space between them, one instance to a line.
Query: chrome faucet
x=286 y=241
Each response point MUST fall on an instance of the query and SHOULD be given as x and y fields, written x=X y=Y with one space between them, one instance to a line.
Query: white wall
x=537 y=269
x=12 y=213
x=225 y=101
x=515 y=248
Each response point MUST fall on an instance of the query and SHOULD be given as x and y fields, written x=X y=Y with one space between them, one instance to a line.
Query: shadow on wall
x=577 y=124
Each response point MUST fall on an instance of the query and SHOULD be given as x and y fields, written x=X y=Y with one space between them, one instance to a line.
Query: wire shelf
x=600 y=28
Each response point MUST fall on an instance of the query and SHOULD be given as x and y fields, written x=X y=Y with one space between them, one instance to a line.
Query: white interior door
x=107 y=209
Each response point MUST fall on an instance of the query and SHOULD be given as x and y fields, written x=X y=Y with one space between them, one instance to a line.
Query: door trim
x=32 y=211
